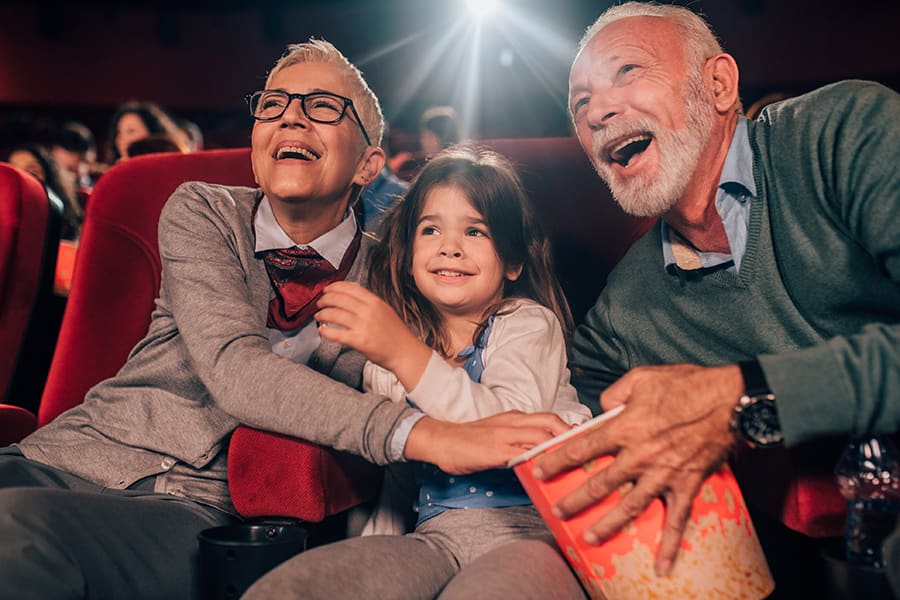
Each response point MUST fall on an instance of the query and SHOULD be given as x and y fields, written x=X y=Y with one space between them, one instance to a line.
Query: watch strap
x=755 y=418
x=755 y=383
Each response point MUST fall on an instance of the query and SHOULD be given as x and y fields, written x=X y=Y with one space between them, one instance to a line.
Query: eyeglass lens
x=324 y=108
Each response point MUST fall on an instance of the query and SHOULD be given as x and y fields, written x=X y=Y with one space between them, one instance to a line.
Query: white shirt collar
x=331 y=245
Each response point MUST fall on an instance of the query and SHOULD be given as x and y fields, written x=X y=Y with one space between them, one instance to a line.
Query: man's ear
x=722 y=70
x=370 y=165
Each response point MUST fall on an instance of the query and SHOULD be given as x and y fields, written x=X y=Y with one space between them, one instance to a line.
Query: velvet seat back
x=24 y=216
x=27 y=258
x=117 y=269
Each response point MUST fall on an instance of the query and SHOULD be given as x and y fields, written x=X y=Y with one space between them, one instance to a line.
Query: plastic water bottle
x=868 y=474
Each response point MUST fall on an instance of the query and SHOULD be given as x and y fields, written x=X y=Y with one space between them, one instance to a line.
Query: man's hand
x=352 y=315
x=488 y=443
x=672 y=435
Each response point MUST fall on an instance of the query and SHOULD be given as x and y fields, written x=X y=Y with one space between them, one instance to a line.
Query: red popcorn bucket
x=719 y=557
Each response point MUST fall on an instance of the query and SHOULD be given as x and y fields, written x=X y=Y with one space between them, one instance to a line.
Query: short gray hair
x=364 y=99
x=700 y=41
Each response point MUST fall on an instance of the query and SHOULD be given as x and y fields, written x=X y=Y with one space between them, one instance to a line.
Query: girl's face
x=454 y=262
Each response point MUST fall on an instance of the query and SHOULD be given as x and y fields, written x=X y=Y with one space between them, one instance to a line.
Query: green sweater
x=817 y=299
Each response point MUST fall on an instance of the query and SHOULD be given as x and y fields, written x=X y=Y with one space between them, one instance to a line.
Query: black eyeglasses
x=320 y=107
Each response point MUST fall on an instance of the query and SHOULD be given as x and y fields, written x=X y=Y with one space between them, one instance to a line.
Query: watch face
x=760 y=424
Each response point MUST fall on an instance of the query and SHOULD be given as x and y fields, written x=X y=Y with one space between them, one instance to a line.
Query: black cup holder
x=232 y=557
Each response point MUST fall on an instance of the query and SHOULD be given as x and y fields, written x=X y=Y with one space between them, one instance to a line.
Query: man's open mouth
x=295 y=152
x=623 y=151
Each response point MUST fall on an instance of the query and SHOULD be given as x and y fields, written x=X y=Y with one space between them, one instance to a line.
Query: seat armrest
x=275 y=475
x=15 y=424
x=795 y=485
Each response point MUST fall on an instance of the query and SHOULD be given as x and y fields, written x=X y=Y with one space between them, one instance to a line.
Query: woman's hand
x=487 y=443
x=352 y=315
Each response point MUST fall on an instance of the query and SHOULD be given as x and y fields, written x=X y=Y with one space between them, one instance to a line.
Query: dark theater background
x=506 y=77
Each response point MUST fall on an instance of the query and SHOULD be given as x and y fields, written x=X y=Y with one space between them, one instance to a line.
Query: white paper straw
x=564 y=436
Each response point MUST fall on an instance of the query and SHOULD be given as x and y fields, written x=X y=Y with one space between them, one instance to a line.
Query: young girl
x=471 y=324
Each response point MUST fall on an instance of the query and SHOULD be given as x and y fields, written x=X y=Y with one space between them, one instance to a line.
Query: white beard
x=679 y=152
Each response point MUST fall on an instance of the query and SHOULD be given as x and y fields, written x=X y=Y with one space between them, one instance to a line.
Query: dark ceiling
x=199 y=57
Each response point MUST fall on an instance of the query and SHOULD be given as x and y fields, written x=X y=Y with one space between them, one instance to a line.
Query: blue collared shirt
x=736 y=188
x=298 y=345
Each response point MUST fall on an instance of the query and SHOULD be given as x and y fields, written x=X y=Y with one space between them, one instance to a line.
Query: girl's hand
x=352 y=315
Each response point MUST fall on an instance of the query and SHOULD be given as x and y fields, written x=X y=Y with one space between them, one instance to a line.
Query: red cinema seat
x=29 y=234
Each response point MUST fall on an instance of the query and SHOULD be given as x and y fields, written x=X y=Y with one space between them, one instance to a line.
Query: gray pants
x=459 y=554
x=64 y=537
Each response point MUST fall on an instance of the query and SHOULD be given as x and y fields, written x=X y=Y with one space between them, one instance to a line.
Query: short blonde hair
x=364 y=99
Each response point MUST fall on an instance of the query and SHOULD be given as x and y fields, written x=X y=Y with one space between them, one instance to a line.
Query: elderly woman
x=131 y=476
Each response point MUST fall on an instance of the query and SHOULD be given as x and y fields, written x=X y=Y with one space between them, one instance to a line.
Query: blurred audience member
x=380 y=194
x=28 y=157
x=193 y=133
x=138 y=120
x=73 y=148
x=377 y=197
x=37 y=161
x=438 y=129
x=155 y=143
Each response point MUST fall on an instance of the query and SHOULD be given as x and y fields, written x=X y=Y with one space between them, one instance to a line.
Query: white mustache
x=619 y=129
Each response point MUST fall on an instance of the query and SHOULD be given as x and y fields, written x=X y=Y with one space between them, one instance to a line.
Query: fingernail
x=663 y=568
x=591 y=538
x=556 y=512
x=538 y=473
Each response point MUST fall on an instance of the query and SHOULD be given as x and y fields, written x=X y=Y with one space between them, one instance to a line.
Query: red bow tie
x=298 y=276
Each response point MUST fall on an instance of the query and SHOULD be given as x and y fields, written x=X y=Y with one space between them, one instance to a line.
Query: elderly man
x=107 y=500
x=768 y=295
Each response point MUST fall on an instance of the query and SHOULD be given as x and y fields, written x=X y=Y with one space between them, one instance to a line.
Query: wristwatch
x=754 y=418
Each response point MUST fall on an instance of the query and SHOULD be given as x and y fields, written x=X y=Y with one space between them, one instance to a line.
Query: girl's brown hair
x=491 y=184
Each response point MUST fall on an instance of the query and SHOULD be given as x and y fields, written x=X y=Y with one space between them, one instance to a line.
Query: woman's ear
x=369 y=166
